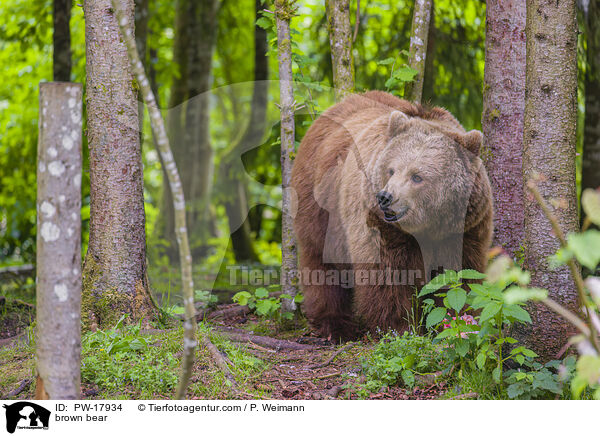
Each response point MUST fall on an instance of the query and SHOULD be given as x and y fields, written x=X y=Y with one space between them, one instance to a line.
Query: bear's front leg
x=327 y=300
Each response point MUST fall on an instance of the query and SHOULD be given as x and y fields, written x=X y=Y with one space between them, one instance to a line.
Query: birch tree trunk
x=418 y=49
x=284 y=10
x=502 y=119
x=340 y=40
x=162 y=142
x=549 y=149
x=115 y=264
x=62 y=40
x=58 y=262
x=590 y=177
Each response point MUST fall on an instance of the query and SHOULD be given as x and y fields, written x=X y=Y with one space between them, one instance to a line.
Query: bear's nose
x=384 y=199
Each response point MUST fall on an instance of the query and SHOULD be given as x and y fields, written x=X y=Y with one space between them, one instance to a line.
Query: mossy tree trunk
x=195 y=37
x=549 y=150
x=590 y=177
x=418 y=49
x=114 y=273
x=164 y=148
x=61 y=56
x=232 y=169
x=340 y=40
x=284 y=10
x=502 y=119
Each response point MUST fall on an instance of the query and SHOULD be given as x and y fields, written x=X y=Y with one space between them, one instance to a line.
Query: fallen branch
x=237 y=335
x=219 y=360
x=24 y=385
x=230 y=312
x=332 y=358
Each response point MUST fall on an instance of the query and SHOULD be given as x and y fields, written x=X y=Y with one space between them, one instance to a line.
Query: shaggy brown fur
x=355 y=149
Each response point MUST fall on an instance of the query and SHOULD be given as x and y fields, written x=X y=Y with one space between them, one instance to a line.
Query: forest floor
x=271 y=370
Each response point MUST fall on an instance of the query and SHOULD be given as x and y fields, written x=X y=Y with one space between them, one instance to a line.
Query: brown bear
x=388 y=193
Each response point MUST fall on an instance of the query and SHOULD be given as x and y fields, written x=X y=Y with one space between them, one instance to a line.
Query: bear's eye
x=416 y=178
x=391 y=172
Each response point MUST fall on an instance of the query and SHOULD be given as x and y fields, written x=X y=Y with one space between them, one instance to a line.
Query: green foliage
x=536 y=381
x=399 y=75
x=121 y=358
x=397 y=359
x=480 y=345
x=264 y=304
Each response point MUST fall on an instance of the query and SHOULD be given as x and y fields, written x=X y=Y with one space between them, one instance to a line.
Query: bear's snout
x=384 y=199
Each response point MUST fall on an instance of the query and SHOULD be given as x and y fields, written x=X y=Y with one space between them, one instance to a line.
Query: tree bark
x=62 y=40
x=549 y=150
x=164 y=149
x=195 y=37
x=141 y=38
x=340 y=39
x=502 y=119
x=236 y=203
x=418 y=49
x=115 y=264
x=58 y=263
x=430 y=70
x=590 y=177
x=284 y=10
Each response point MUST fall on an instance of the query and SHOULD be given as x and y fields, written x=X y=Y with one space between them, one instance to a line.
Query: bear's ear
x=472 y=141
x=397 y=124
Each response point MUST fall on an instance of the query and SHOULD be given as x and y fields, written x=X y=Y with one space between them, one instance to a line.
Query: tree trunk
x=284 y=10
x=141 y=38
x=195 y=37
x=58 y=263
x=164 y=149
x=115 y=264
x=340 y=39
x=549 y=150
x=418 y=49
x=429 y=71
x=590 y=177
x=236 y=203
x=62 y=40
x=502 y=120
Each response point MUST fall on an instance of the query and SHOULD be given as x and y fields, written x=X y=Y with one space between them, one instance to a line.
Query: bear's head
x=424 y=177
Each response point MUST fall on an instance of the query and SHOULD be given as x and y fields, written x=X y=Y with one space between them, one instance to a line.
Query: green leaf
x=490 y=311
x=405 y=74
x=435 y=316
x=516 y=294
x=481 y=358
x=496 y=374
x=514 y=390
x=438 y=282
x=590 y=201
x=586 y=247
x=408 y=377
x=261 y=293
x=242 y=298
x=263 y=307
x=470 y=274
x=462 y=348
x=517 y=313
x=387 y=61
x=264 y=23
x=446 y=333
x=457 y=298
x=529 y=353
x=299 y=298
